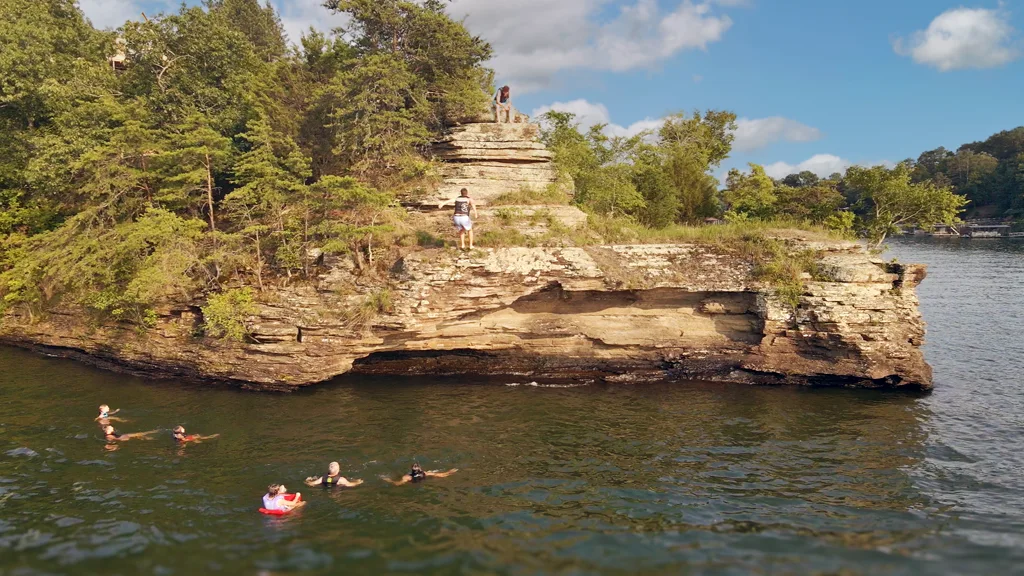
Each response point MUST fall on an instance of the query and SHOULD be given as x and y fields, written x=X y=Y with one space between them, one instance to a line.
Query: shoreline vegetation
x=197 y=156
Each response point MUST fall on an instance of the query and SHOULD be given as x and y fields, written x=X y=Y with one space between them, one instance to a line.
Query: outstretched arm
x=143 y=435
x=349 y=483
x=405 y=480
x=314 y=480
x=439 y=474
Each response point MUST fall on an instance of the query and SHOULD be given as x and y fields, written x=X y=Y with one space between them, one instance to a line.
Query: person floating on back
x=110 y=434
x=106 y=414
x=418 y=474
x=503 y=103
x=464 y=205
x=278 y=500
x=333 y=478
x=181 y=438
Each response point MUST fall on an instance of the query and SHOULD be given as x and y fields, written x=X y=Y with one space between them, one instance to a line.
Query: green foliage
x=225 y=313
x=658 y=183
x=750 y=196
x=121 y=270
x=891 y=200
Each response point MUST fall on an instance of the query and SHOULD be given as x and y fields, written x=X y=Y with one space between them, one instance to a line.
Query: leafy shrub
x=224 y=314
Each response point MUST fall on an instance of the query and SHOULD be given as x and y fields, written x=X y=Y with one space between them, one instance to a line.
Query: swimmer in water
x=181 y=438
x=110 y=434
x=418 y=474
x=333 y=478
x=106 y=414
x=276 y=498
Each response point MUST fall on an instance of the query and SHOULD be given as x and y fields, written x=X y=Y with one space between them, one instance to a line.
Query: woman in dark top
x=503 y=103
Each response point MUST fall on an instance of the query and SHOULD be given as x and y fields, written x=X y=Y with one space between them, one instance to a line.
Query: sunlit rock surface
x=620 y=313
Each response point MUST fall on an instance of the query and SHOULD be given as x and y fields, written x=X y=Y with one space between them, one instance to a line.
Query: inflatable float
x=288 y=497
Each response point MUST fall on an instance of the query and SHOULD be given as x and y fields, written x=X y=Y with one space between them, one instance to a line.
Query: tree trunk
x=259 y=261
x=209 y=192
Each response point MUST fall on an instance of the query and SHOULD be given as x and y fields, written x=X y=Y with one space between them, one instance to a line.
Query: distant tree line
x=664 y=177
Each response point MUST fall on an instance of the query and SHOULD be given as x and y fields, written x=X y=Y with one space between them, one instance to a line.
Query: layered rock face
x=615 y=313
x=492 y=159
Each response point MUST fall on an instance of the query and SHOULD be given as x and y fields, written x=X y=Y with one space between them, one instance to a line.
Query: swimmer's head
x=104 y=408
x=108 y=430
x=334 y=468
x=179 y=429
x=274 y=489
x=416 y=467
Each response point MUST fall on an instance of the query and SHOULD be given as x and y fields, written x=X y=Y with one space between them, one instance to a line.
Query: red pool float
x=288 y=497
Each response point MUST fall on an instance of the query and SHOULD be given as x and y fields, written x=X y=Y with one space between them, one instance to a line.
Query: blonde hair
x=334 y=467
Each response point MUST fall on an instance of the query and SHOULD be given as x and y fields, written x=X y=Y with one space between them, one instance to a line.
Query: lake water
x=688 y=477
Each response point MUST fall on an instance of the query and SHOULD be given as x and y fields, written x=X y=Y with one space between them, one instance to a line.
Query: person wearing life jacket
x=503 y=103
x=333 y=478
x=181 y=438
x=277 y=499
x=110 y=434
x=106 y=415
x=464 y=205
x=418 y=474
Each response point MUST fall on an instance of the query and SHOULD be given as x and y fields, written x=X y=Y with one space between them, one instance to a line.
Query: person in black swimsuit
x=418 y=474
x=333 y=478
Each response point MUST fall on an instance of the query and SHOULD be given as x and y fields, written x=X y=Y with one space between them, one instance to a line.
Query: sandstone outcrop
x=614 y=312
x=492 y=159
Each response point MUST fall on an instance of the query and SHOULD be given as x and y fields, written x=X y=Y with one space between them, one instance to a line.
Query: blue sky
x=818 y=84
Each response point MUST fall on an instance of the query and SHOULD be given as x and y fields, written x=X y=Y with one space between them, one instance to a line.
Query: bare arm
x=473 y=206
x=405 y=480
x=349 y=483
x=314 y=480
x=439 y=474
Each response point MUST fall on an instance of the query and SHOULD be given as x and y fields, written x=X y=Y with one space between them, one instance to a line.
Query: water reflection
x=702 y=478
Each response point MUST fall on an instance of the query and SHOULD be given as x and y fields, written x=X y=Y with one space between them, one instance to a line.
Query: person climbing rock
x=418 y=474
x=464 y=205
x=333 y=478
x=503 y=103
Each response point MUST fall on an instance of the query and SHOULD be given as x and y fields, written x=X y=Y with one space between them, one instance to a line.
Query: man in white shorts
x=463 y=206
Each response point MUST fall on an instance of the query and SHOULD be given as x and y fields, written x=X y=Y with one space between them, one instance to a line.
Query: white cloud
x=963 y=38
x=590 y=114
x=110 y=13
x=751 y=134
x=536 y=40
x=824 y=165
x=297 y=16
x=760 y=132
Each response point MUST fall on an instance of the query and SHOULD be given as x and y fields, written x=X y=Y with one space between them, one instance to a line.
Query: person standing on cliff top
x=463 y=223
x=503 y=103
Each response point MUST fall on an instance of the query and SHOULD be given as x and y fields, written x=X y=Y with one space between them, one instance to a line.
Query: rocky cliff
x=615 y=312
x=492 y=159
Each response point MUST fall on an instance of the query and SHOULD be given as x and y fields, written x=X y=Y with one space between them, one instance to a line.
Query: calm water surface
x=686 y=478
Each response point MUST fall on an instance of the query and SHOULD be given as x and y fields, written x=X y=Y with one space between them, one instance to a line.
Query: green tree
x=692 y=146
x=750 y=195
x=196 y=153
x=892 y=201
